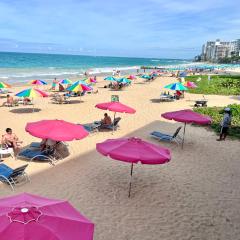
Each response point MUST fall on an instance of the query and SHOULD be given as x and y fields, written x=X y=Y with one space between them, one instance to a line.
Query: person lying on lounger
x=11 y=140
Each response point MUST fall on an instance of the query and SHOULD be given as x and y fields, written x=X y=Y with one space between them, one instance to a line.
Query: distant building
x=213 y=51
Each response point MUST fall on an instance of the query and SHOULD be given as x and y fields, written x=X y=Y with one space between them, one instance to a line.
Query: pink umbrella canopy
x=42 y=93
x=57 y=130
x=30 y=217
x=115 y=107
x=190 y=85
x=134 y=150
x=187 y=116
x=131 y=77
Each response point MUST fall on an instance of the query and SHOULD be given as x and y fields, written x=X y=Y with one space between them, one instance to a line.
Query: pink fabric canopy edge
x=187 y=116
x=115 y=107
x=44 y=94
x=43 y=218
x=57 y=130
x=190 y=85
x=134 y=150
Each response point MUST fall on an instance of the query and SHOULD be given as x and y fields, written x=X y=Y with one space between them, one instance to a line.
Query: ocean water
x=21 y=67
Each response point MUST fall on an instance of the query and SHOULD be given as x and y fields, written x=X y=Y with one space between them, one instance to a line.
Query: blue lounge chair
x=92 y=127
x=166 y=137
x=37 y=154
x=13 y=177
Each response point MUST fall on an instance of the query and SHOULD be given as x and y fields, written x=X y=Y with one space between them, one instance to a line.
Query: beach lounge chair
x=13 y=177
x=166 y=98
x=92 y=127
x=169 y=138
x=112 y=126
x=57 y=99
x=51 y=155
x=37 y=154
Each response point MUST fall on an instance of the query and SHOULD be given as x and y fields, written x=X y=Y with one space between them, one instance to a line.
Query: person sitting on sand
x=106 y=120
x=226 y=122
x=11 y=140
x=10 y=101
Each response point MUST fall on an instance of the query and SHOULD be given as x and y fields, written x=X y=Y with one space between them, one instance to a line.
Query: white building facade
x=215 y=50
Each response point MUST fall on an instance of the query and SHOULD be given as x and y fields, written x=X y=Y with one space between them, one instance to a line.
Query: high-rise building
x=215 y=50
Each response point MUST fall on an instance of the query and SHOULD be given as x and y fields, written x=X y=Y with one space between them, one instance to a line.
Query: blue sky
x=140 y=28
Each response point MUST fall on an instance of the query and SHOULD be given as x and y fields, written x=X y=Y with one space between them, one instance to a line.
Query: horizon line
x=84 y=55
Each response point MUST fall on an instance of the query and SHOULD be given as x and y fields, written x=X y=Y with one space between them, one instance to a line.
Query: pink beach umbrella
x=190 y=85
x=26 y=216
x=131 y=77
x=38 y=82
x=134 y=150
x=92 y=80
x=57 y=130
x=115 y=107
x=187 y=116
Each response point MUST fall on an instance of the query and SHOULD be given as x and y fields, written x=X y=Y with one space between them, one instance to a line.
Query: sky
x=133 y=28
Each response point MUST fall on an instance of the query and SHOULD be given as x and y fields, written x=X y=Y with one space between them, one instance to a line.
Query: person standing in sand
x=226 y=122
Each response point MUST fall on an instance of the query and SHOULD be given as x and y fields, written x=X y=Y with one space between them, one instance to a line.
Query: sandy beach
x=195 y=196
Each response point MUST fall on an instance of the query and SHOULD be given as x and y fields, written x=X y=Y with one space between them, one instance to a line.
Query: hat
x=227 y=109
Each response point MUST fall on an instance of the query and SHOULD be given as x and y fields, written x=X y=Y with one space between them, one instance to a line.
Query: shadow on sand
x=25 y=110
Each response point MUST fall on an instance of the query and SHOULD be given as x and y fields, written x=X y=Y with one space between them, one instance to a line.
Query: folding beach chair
x=13 y=177
x=166 y=137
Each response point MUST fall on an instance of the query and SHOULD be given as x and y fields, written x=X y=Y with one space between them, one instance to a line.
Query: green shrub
x=219 y=85
x=216 y=113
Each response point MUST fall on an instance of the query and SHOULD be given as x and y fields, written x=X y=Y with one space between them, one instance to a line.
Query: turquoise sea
x=20 y=67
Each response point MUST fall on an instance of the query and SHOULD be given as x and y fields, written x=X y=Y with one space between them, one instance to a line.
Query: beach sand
x=195 y=196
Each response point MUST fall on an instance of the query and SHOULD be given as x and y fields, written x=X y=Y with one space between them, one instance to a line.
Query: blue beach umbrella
x=123 y=80
x=146 y=76
x=110 y=78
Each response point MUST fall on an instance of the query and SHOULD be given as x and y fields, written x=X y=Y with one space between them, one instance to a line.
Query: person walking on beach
x=225 y=124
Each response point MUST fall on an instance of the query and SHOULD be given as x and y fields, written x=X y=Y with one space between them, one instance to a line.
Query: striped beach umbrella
x=38 y=82
x=65 y=81
x=176 y=87
x=4 y=85
x=31 y=93
x=79 y=86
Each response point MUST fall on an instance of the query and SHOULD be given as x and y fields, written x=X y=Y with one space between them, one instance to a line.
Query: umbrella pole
x=33 y=104
x=130 y=184
x=113 y=122
x=183 y=134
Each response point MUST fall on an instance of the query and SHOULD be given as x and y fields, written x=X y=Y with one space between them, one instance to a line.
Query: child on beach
x=226 y=122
